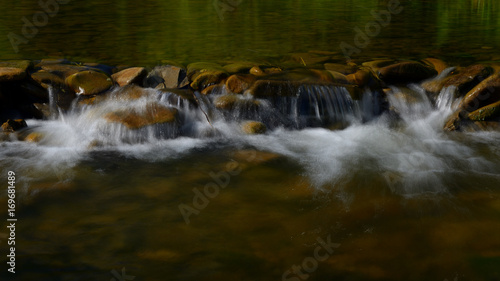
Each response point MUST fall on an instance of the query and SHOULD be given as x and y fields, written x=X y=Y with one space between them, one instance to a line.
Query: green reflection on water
x=146 y=32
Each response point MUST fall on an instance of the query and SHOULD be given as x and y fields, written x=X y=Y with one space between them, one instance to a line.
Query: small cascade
x=52 y=102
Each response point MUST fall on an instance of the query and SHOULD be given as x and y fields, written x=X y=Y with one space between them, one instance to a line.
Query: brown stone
x=238 y=83
x=133 y=75
x=89 y=82
x=11 y=74
x=253 y=127
x=14 y=125
x=208 y=78
x=438 y=64
x=485 y=93
x=406 y=72
x=341 y=68
x=166 y=76
x=155 y=114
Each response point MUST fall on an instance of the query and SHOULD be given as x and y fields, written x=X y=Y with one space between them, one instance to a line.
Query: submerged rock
x=253 y=127
x=154 y=114
x=194 y=69
x=89 y=82
x=133 y=75
x=14 y=125
x=239 y=67
x=406 y=72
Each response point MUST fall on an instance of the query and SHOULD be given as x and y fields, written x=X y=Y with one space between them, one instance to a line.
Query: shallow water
x=398 y=200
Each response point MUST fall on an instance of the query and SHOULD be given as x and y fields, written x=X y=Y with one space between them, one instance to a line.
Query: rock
x=464 y=80
x=438 y=64
x=323 y=76
x=14 y=125
x=270 y=88
x=34 y=137
x=406 y=72
x=8 y=74
x=375 y=65
x=229 y=102
x=45 y=79
x=485 y=93
x=213 y=89
x=44 y=109
x=309 y=59
x=257 y=71
x=100 y=67
x=154 y=114
x=486 y=112
x=180 y=96
x=364 y=78
x=194 y=69
x=238 y=83
x=24 y=65
x=240 y=67
x=339 y=77
x=253 y=127
x=208 y=78
x=166 y=76
x=89 y=82
x=64 y=70
x=51 y=61
x=133 y=75
x=341 y=68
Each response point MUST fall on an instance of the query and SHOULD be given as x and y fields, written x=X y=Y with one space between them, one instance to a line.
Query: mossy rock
x=64 y=70
x=194 y=69
x=438 y=64
x=341 y=68
x=229 y=102
x=154 y=114
x=239 y=67
x=486 y=113
x=89 y=82
x=208 y=78
x=34 y=137
x=253 y=127
x=24 y=65
x=45 y=79
x=238 y=83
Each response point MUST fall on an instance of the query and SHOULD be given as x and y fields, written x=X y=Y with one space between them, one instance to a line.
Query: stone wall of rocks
x=26 y=87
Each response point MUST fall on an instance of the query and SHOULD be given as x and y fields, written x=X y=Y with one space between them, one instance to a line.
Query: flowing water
x=398 y=198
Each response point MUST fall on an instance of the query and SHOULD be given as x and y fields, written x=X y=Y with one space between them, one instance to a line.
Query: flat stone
x=406 y=72
x=89 y=82
x=133 y=75
x=8 y=74
x=154 y=114
x=14 y=125
x=166 y=76
x=238 y=83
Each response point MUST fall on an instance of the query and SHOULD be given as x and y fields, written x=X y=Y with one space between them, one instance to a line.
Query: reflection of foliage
x=148 y=31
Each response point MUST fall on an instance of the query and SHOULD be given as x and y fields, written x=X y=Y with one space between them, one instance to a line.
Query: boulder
x=64 y=70
x=89 y=82
x=238 y=83
x=239 y=67
x=194 y=69
x=406 y=72
x=341 y=68
x=8 y=74
x=485 y=113
x=45 y=79
x=310 y=59
x=208 y=78
x=229 y=102
x=166 y=76
x=464 y=80
x=133 y=75
x=438 y=64
x=14 y=125
x=253 y=127
x=154 y=114
x=485 y=93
